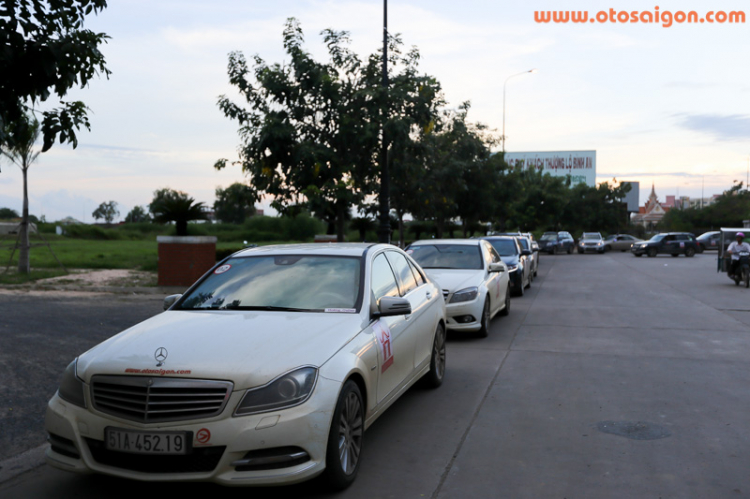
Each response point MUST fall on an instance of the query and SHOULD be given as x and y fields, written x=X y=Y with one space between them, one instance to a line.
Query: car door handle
x=428 y=295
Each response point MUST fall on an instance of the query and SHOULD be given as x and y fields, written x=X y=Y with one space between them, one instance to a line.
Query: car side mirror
x=497 y=267
x=393 y=305
x=526 y=252
x=170 y=300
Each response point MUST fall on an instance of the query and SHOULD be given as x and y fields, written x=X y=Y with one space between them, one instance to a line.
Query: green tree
x=235 y=203
x=107 y=210
x=309 y=133
x=46 y=50
x=23 y=154
x=137 y=214
x=7 y=213
x=176 y=206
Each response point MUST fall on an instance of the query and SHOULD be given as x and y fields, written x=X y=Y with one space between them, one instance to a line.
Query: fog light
x=464 y=319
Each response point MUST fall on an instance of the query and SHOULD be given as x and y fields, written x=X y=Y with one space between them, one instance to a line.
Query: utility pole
x=384 y=232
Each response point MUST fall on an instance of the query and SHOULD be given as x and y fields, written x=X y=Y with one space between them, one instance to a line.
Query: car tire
x=570 y=250
x=608 y=248
x=580 y=251
x=638 y=255
x=675 y=254
x=689 y=252
x=345 y=438
x=484 y=330
x=505 y=311
x=651 y=252
x=434 y=377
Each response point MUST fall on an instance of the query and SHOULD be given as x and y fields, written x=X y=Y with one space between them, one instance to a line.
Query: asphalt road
x=613 y=376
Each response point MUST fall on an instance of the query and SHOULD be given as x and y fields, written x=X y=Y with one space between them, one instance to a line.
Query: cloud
x=731 y=127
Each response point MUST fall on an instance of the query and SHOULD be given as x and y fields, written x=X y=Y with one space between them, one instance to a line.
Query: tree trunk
x=340 y=223
x=400 y=229
x=23 y=258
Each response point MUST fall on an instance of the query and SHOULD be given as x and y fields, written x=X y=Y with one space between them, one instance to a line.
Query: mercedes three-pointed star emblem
x=160 y=355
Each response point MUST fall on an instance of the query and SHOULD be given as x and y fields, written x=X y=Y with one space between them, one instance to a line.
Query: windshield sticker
x=341 y=310
x=222 y=269
x=410 y=251
x=383 y=334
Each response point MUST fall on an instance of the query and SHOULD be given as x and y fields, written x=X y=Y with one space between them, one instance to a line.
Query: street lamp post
x=504 y=85
x=384 y=232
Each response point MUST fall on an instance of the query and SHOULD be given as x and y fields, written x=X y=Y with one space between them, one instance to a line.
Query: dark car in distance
x=517 y=260
x=557 y=242
x=709 y=241
x=671 y=243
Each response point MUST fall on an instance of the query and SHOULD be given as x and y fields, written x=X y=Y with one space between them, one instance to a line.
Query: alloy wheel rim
x=350 y=433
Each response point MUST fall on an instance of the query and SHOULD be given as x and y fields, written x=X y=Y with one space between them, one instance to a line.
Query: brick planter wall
x=183 y=259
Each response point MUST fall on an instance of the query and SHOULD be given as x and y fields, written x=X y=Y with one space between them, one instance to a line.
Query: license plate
x=166 y=443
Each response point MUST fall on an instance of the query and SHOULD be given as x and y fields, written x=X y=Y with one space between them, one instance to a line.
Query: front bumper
x=77 y=436
x=455 y=311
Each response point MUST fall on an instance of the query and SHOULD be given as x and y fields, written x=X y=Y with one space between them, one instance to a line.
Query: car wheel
x=675 y=254
x=434 y=376
x=608 y=248
x=570 y=250
x=651 y=252
x=506 y=310
x=580 y=251
x=638 y=254
x=484 y=331
x=344 y=448
x=689 y=252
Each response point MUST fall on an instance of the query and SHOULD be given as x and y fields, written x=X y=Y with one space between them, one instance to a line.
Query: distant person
x=735 y=249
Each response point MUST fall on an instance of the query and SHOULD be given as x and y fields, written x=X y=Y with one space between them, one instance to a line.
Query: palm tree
x=176 y=206
x=23 y=155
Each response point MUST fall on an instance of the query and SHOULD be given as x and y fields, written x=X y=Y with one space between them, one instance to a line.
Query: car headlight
x=467 y=294
x=599 y=243
x=71 y=387
x=286 y=391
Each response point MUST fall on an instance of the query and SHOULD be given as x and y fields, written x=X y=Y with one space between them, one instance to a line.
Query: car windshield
x=549 y=237
x=280 y=282
x=524 y=242
x=591 y=235
x=447 y=256
x=658 y=237
x=506 y=247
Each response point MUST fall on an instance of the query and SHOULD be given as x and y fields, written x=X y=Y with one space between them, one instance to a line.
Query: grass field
x=86 y=254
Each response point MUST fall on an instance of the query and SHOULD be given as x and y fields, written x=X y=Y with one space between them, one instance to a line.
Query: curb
x=21 y=463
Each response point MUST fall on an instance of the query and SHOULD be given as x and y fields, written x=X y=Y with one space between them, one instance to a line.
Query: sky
x=662 y=105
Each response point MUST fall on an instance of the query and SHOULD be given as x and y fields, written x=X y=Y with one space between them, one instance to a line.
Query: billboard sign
x=580 y=165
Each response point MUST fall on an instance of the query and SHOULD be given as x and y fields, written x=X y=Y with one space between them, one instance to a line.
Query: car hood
x=454 y=279
x=248 y=348
x=510 y=259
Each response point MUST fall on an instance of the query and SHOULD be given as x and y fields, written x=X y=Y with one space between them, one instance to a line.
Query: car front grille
x=156 y=400
x=200 y=460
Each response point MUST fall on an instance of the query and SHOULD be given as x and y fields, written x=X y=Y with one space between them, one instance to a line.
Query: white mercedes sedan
x=473 y=278
x=266 y=371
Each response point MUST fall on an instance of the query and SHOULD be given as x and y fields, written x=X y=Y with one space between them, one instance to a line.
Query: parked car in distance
x=709 y=241
x=473 y=277
x=557 y=242
x=528 y=244
x=267 y=371
x=672 y=243
x=516 y=258
x=591 y=241
x=620 y=242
